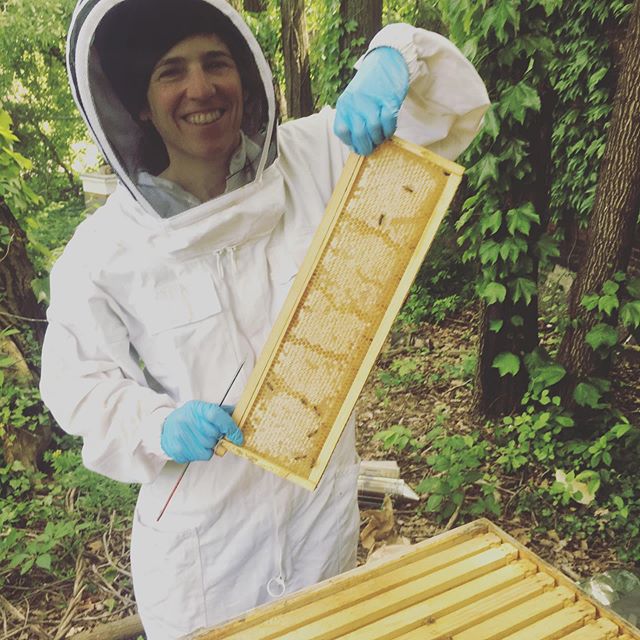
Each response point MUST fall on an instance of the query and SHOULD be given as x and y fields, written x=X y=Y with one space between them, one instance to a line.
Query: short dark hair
x=135 y=34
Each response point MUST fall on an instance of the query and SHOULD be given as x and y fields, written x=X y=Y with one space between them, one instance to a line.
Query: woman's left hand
x=367 y=110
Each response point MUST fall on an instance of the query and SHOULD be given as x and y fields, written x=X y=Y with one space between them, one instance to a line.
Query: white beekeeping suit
x=191 y=289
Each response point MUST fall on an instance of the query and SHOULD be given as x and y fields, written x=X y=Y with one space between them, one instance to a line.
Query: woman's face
x=195 y=101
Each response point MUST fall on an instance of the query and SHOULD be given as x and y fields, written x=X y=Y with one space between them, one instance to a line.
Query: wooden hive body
x=472 y=583
x=378 y=226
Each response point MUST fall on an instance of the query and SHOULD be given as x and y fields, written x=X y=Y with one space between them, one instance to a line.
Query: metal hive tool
x=472 y=583
x=376 y=231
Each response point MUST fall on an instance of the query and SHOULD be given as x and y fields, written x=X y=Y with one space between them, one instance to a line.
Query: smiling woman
x=195 y=102
x=185 y=268
x=190 y=83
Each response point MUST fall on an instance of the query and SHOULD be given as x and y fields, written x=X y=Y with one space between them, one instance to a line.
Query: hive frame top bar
x=361 y=210
x=471 y=583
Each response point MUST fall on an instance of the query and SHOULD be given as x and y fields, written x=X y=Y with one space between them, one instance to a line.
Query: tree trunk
x=613 y=221
x=19 y=309
x=295 y=48
x=255 y=6
x=496 y=395
x=365 y=16
x=18 y=301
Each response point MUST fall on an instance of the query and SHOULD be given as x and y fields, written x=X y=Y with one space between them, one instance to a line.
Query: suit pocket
x=167 y=579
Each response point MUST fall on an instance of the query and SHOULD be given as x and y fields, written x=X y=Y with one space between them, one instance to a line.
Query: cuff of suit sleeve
x=399 y=37
x=151 y=431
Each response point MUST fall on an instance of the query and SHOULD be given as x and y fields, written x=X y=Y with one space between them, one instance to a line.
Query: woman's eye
x=168 y=72
x=214 y=65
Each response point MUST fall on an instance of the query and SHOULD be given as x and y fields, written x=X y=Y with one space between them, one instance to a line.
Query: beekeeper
x=164 y=291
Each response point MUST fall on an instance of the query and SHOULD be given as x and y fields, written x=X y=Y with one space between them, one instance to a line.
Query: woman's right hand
x=192 y=431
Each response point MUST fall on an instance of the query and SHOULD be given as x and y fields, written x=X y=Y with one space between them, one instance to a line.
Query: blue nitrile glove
x=367 y=110
x=192 y=431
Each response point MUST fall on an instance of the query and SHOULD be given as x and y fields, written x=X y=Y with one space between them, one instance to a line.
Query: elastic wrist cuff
x=398 y=37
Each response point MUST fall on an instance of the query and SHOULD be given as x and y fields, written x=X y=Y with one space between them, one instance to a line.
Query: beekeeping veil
x=112 y=48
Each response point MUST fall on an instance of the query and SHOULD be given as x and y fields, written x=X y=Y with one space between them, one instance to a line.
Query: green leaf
x=517 y=321
x=520 y=219
x=595 y=77
x=512 y=247
x=496 y=17
x=630 y=314
x=26 y=566
x=506 y=363
x=602 y=335
x=489 y=252
x=44 y=561
x=491 y=124
x=496 y=325
x=586 y=395
x=17 y=559
x=428 y=485
x=608 y=304
x=434 y=501
x=610 y=288
x=517 y=100
x=493 y=292
x=549 y=374
x=550 y=5
x=590 y=302
x=620 y=429
x=491 y=222
x=486 y=168
x=523 y=288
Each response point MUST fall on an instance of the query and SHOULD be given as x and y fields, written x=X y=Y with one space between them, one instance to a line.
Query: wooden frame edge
x=393 y=308
x=561 y=578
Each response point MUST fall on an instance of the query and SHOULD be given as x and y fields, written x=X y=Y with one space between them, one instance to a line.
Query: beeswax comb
x=365 y=254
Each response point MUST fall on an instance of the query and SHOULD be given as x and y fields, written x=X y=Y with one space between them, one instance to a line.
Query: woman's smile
x=204 y=117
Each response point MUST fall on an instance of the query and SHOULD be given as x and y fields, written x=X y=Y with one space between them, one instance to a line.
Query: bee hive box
x=472 y=583
x=377 y=229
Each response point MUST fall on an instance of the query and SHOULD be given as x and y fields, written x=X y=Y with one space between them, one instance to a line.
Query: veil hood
x=111 y=48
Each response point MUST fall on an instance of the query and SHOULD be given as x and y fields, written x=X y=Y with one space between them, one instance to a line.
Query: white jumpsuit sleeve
x=447 y=98
x=92 y=383
x=443 y=111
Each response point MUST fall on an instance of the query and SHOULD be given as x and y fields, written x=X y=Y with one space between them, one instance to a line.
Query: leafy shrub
x=402 y=372
x=456 y=467
x=41 y=532
x=20 y=408
x=398 y=437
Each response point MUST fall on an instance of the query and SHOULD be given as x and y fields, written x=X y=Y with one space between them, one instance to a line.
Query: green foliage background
x=518 y=46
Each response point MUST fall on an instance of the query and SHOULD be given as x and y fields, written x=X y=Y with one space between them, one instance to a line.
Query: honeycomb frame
x=384 y=212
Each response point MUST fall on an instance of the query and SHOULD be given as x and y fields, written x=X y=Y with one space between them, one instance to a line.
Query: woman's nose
x=199 y=84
